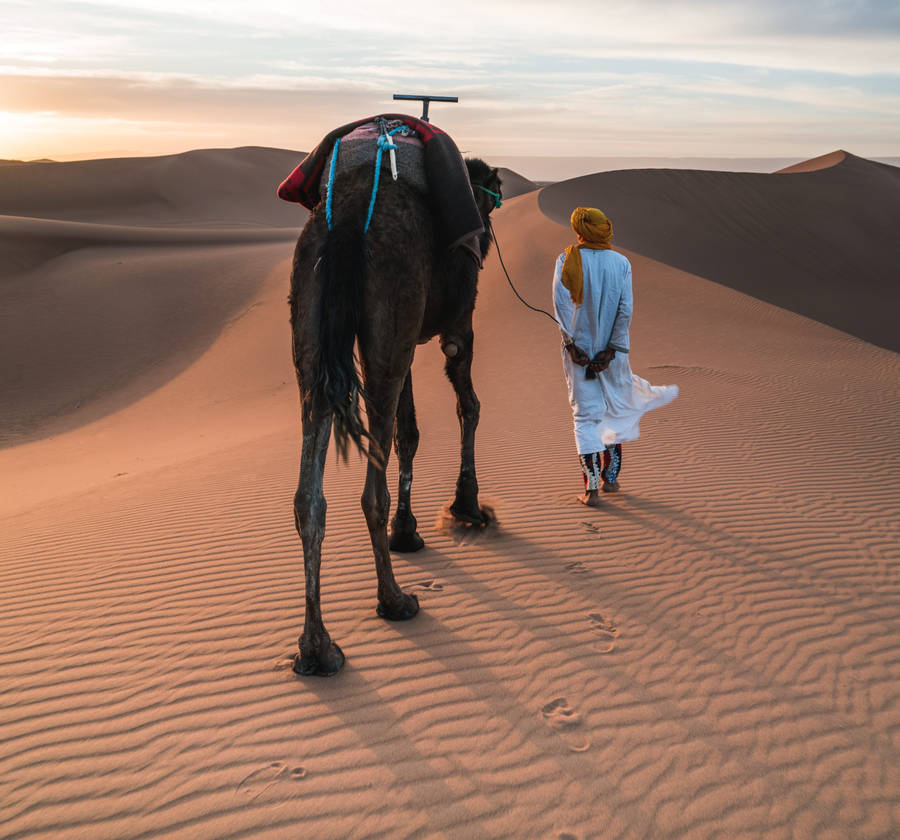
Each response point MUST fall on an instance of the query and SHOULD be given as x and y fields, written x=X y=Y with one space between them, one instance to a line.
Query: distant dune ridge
x=515 y=184
x=203 y=187
x=546 y=169
x=816 y=163
x=818 y=240
x=714 y=653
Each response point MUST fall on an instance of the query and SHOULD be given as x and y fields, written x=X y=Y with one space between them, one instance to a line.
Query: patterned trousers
x=604 y=467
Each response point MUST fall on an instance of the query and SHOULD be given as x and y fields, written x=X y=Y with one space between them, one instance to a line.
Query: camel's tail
x=340 y=275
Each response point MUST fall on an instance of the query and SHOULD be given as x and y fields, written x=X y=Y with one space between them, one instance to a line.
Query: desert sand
x=713 y=653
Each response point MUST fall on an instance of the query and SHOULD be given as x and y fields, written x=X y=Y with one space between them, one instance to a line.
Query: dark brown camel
x=387 y=291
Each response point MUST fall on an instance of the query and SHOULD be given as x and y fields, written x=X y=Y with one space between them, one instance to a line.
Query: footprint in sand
x=605 y=629
x=576 y=568
x=259 y=781
x=284 y=664
x=562 y=718
x=430 y=585
x=590 y=526
x=559 y=714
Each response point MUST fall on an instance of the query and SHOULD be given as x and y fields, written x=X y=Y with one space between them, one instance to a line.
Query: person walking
x=593 y=303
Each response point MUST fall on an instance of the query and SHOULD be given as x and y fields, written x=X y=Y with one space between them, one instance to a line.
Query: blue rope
x=495 y=195
x=330 y=190
x=384 y=142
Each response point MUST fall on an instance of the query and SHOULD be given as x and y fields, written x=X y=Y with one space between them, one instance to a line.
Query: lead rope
x=384 y=142
x=509 y=280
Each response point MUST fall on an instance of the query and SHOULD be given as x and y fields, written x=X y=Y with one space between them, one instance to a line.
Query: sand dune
x=820 y=243
x=116 y=274
x=712 y=654
x=515 y=184
x=96 y=329
x=207 y=186
x=816 y=163
x=27 y=243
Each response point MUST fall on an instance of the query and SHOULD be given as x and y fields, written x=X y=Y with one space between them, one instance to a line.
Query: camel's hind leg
x=383 y=395
x=318 y=654
x=404 y=537
x=459 y=371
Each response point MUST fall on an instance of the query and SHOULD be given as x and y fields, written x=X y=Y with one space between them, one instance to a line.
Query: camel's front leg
x=404 y=537
x=318 y=654
x=459 y=371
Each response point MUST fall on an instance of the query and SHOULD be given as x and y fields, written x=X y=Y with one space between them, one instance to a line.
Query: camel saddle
x=446 y=179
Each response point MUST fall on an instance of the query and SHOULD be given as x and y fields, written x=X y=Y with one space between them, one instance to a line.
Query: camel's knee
x=407 y=444
x=376 y=503
x=309 y=511
x=406 y=430
x=409 y=435
x=468 y=408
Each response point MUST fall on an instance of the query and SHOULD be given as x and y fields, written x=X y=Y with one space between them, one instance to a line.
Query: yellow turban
x=594 y=230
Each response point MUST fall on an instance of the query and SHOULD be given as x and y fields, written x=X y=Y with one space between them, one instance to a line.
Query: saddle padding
x=449 y=192
x=354 y=152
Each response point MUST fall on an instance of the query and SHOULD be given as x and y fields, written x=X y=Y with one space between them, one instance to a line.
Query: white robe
x=605 y=410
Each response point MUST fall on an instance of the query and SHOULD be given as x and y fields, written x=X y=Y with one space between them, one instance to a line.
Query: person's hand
x=578 y=356
x=601 y=361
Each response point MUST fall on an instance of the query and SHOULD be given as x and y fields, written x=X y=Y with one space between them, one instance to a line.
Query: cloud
x=877 y=19
x=656 y=70
x=174 y=98
x=843 y=36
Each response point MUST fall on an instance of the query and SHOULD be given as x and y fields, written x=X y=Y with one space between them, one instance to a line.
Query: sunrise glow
x=694 y=78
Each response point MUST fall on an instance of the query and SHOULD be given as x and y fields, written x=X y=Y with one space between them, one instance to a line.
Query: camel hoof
x=408 y=607
x=309 y=665
x=406 y=543
x=468 y=516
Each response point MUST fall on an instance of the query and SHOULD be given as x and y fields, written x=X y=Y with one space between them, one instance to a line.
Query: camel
x=385 y=291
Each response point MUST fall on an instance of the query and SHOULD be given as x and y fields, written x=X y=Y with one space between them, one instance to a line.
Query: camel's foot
x=591 y=499
x=465 y=507
x=403 y=610
x=470 y=514
x=319 y=663
x=406 y=542
x=404 y=537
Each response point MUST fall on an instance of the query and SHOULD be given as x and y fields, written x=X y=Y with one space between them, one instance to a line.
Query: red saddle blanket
x=449 y=191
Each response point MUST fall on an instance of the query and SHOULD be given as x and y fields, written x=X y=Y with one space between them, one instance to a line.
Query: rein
x=495 y=195
x=509 y=279
x=384 y=142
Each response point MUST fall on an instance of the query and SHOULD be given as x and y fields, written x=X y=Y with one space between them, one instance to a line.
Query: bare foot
x=611 y=486
x=590 y=498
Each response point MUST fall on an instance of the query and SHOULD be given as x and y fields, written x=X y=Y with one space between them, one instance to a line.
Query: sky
x=686 y=78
